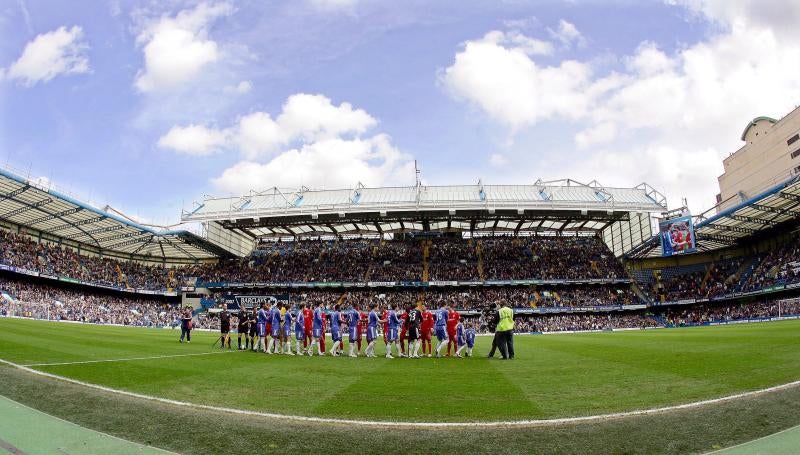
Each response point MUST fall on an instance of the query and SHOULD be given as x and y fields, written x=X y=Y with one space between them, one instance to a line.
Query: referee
x=225 y=327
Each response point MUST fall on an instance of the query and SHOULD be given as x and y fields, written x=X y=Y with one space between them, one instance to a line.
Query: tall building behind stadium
x=769 y=157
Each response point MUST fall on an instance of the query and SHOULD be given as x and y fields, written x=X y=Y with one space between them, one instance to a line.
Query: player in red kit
x=427 y=328
x=324 y=328
x=308 y=319
x=362 y=327
x=403 y=331
x=385 y=321
x=452 y=321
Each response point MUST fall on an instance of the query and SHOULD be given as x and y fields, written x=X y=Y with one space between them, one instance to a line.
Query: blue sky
x=150 y=105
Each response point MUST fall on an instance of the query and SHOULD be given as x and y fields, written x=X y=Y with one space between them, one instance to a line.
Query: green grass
x=552 y=376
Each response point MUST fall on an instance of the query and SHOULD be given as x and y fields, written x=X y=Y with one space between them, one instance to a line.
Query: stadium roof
x=562 y=205
x=777 y=206
x=29 y=204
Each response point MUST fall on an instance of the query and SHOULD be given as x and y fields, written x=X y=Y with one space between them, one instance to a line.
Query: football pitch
x=553 y=377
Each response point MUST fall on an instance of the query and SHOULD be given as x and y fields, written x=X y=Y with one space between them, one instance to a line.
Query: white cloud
x=567 y=34
x=315 y=117
x=500 y=77
x=327 y=5
x=306 y=118
x=329 y=163
x=241 y=88
x=601 y=133
x=517 y=40
x=668 y=118
x=328 y=150
x=51 y=54
x=193 y=140
x=177 y=49
x=498 y=160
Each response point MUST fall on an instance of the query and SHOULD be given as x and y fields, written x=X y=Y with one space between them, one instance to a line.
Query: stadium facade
x=744 y=249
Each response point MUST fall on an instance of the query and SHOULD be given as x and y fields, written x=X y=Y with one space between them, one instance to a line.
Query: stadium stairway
x=479 y=253
x=707 y=276
x=746 y=271
x=122 y=277
x=426 y=252
x=639 y=293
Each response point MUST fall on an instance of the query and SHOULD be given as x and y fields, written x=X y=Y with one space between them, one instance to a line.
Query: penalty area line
x=400 y=424
x=168 y=356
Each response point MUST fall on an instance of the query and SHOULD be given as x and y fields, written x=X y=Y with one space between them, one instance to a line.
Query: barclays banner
x=249 y=301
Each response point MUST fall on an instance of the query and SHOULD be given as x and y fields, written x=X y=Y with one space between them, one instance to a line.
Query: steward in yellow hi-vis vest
x=506 y=319
x=505 y=332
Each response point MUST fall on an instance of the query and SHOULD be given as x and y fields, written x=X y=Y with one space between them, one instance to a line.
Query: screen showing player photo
x=677 y=236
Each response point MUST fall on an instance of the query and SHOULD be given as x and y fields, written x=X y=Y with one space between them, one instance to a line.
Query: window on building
x=795 y=153
x=793 y=139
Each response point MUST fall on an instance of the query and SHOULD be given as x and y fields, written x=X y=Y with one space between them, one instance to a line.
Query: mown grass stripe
x=400 y=424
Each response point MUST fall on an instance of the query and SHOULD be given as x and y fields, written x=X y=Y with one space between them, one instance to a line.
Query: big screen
x=677 y=236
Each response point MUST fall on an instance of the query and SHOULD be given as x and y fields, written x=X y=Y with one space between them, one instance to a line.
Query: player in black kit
x=414 y=320
x=253 y=319
x=243 y=328
x=225 y=327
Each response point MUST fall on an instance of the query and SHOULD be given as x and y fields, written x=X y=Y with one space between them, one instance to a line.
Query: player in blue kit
x=261 y=327
x=352 y=329
x=274 y=342
x=441 y=328
x=372 y=330
x=299 y=328
x=288 y=317
x=470 y=335
x=461 y=343
x=394 y=326
x=336 y=331
x=316 y=330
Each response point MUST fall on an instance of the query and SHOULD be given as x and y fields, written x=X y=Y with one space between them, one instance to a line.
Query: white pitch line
x=79 y=362
x=399 y=424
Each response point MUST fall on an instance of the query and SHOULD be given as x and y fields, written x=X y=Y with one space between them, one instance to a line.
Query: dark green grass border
x=195 y=431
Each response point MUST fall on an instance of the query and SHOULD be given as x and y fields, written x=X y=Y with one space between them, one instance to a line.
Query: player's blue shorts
x=336 y=335
x=441 y=333
x=276 y=331
x=460 y=341
x=470 y=342
x=353 y=334
x=392 y=335
x=261 y=329
x=316 y=333
x=300 y=334
x=372 y=333
x=287 y=331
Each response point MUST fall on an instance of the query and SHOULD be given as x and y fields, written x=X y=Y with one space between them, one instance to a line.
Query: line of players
x=270 y=329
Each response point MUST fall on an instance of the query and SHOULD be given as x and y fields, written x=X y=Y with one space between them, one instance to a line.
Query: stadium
x=553 y=316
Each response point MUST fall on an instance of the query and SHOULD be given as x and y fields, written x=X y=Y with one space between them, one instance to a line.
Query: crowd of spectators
x=56 y=303
x=453 y=260
x=703 y=313
x=42 y=301
x=549 y=258
x=51 y=259
x=779 y=266
x=583 y=321
x=714 y=280
x=350 y=260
